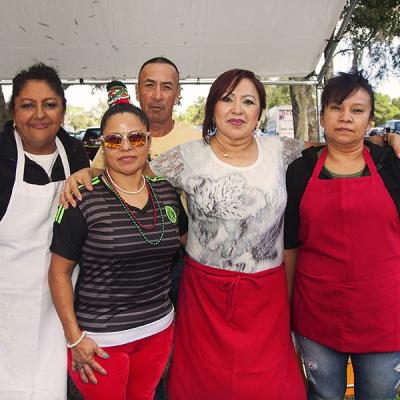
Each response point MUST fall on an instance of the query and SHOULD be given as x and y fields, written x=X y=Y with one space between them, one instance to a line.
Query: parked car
x=377 y=131
x=80 y=134
x=393 y=125
x=91 y=141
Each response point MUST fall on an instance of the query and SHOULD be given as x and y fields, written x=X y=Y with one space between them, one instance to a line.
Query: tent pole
x=335 y=39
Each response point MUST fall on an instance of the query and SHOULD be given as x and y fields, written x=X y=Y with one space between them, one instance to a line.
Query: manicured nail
x=105 y=355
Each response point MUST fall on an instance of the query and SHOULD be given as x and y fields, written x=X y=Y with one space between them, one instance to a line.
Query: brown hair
x=224 y=84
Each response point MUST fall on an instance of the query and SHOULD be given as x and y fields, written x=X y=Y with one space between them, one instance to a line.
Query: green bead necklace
x=152 y=194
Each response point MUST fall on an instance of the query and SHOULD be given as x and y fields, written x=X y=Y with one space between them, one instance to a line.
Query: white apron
x=33 y=355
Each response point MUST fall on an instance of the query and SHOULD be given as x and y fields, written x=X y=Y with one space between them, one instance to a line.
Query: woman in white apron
x=36 y=157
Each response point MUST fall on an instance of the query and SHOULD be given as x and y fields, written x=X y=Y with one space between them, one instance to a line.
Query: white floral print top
x=235 y=213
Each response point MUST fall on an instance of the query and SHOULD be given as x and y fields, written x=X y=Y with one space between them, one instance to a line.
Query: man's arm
x=290 y=259
x=71 y=191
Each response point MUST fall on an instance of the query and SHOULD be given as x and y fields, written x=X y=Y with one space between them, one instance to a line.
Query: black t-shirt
x=125 y=263
x=299 y=172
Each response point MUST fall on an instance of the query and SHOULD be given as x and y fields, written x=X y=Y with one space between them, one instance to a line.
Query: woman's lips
x=40 y=126
x=344 y=130
x=235 y=121
x=126 y=158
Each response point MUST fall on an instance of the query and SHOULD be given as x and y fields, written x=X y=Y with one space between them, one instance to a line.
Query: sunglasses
x=135 y=139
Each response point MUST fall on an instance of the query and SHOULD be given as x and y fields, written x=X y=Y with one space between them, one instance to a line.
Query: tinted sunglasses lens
x=113 y=141
x=137 y=139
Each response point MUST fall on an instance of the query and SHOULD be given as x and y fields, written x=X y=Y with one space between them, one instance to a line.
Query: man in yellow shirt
x=158 y=91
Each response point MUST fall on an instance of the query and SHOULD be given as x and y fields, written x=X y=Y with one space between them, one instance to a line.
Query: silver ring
x=78 y=366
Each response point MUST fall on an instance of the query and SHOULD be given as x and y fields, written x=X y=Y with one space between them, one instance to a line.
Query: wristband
x=72 y=345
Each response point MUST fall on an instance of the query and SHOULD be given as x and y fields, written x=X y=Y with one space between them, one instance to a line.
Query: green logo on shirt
x=155 y=178
x=171 y=214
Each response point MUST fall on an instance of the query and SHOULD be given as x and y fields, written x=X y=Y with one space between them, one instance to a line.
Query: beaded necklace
x=155 y=205
x=123 y=190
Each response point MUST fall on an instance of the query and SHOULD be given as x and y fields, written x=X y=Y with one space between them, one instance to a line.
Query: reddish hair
x=224 y=84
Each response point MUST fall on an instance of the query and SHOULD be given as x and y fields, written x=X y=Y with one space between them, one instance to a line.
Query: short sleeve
x=171 y=166
x=69 y=233
x=291 y=149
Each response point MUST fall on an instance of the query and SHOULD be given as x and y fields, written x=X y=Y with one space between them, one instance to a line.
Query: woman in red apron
x=342 y=220
x=232 y=338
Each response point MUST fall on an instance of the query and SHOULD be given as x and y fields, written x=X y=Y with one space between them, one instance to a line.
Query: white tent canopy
x=103 y=39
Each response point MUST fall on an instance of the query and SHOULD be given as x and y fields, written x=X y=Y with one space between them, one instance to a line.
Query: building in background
x=280 y=121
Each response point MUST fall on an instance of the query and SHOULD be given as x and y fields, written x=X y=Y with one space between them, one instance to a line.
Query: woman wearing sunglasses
x=123 y=234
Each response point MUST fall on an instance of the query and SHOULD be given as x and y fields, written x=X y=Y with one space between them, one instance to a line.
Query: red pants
x=133 y=369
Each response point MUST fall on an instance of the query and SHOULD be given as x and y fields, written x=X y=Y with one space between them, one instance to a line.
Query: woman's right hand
x=84 y=362
x=71 y=191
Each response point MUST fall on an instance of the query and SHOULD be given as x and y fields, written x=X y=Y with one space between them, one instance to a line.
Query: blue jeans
x=376 y=375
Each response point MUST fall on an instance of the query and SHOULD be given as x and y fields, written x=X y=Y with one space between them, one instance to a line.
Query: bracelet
x=72 y=345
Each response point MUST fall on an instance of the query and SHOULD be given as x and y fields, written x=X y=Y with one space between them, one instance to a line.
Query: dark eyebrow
x=360 y=104
x=48 y=98
x=149 y=80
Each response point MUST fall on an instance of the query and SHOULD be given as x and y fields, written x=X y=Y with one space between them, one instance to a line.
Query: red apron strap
x=320 y=163
x=370 y=163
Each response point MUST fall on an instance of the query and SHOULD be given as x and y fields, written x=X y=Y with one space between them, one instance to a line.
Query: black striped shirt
x=124 y=281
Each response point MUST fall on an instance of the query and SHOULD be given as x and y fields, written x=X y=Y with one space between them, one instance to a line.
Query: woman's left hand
x=84 y=362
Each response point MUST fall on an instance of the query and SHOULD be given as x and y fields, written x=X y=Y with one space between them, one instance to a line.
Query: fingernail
x=105 y=355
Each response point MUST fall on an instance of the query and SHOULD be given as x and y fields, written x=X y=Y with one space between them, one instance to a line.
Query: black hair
x=343 y=85
x=123 y=107
x=37 y=72
x=159 y=60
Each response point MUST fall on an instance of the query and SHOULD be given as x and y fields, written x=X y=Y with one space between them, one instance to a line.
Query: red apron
x=347 y=285
x=232 y=337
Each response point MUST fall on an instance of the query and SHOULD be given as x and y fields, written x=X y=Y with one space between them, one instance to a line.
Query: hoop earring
x=213 y=130
x=257 y=132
